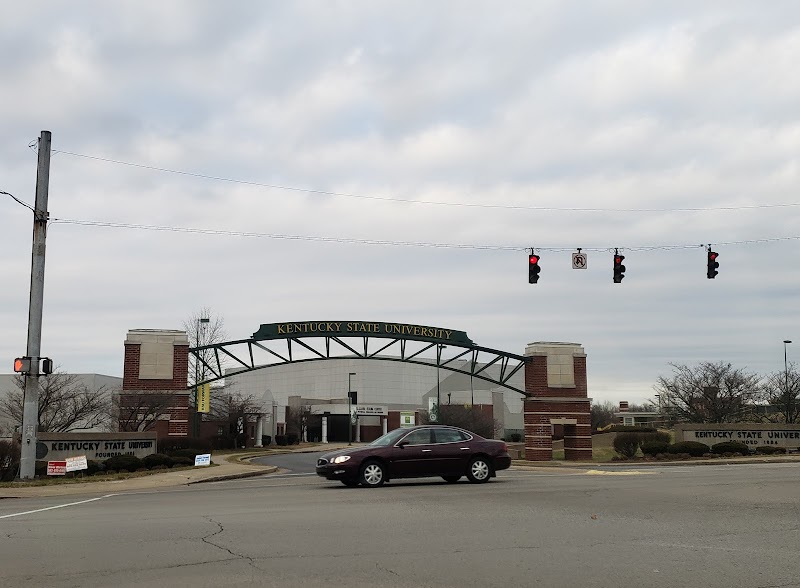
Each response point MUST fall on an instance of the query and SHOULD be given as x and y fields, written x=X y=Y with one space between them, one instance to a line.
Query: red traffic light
x=533 y=259
x=713 y=255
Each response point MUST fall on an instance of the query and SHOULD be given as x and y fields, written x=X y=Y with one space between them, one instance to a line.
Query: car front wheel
x=372 y=474
x=479 y=470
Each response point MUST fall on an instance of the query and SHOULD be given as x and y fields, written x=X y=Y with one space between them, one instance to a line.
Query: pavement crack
x=383 y=569
x=220 y=529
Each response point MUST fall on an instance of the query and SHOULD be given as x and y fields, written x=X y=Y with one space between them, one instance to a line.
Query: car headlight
x=340 y=459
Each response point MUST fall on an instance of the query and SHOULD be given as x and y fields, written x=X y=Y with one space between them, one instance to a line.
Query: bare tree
x=140 y=410
x=299 y=420
x=232 y=409
x=65 y=403
x=708 y=393
x=203 y=328
x=603 y=414
x=781 y=390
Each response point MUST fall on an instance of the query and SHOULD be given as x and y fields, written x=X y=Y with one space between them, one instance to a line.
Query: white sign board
x=76 y=463
x=371 y=410
x=202 y=460
x=580 y=261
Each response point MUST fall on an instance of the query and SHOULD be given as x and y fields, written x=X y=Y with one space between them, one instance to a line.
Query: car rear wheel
x=350 y=483
x=451 y=479
x=479 y=470
x=372 y=474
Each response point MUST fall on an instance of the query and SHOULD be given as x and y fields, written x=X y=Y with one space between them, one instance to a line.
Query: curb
x=261 y=472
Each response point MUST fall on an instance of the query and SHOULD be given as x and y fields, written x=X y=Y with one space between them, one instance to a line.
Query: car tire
x=350 y=483
x=479 y=470
x=451 y=479
x=373 y=474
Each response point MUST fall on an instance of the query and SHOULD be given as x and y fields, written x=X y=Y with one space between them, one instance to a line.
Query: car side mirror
x=402 y=444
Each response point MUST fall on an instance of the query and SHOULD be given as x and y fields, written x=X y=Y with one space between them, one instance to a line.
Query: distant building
x=638 y=418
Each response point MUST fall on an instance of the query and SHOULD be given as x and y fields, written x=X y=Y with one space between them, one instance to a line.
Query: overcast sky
x=484 y=127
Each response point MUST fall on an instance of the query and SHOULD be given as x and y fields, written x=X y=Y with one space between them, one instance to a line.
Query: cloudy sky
x=391 y=161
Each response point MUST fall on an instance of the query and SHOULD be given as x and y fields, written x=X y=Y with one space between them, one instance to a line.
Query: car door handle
x=426 y=450
x=465 y=449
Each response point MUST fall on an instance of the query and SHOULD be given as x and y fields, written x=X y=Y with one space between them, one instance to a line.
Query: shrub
x=292 y=439
x=129 y=463
x=516 y=437
x=280 y=439
x=157 y=459
x=94 y=467
x=691 y=448
x=626 y=444
x=9 y=460
x=178 y=462
x=266 y=440
x=169 y=445
x=770 y=449
x=730 y=447
x=653 y=448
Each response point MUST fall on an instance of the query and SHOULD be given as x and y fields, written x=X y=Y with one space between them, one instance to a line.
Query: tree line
x=717 y=392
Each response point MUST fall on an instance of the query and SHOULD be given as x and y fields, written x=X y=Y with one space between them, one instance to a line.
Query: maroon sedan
x=417 y=452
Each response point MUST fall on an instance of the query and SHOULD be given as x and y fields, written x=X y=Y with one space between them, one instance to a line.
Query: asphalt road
x=709 y=526
x=295 y=462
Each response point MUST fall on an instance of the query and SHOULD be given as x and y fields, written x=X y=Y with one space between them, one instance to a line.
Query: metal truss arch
x=247 y=355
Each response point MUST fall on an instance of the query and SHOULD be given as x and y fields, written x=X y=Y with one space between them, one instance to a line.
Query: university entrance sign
x=361 y=329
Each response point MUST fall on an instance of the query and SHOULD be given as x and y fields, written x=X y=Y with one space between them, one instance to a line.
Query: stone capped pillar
x=157 y=362
x=555 y=378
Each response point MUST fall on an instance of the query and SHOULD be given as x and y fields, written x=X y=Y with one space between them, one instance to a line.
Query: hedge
x=653 y=448
x=693 y=448
x=121 y=463
x=157 y=459
x=770 y=449
x=730 y=447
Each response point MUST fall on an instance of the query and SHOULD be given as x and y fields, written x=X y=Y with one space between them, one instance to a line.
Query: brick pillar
x=555 y=378
x=157 y=361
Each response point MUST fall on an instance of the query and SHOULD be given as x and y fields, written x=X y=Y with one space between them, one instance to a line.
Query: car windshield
x=390 y=438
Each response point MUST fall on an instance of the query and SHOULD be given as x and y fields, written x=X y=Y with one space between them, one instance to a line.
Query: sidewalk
x=227 y=466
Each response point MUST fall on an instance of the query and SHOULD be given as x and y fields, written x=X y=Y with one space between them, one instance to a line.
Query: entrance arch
x=554 y=390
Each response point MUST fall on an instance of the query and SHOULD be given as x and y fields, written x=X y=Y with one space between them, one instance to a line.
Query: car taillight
x=505 y=447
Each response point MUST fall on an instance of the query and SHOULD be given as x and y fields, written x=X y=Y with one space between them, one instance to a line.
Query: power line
x=349 y=240
x=423 y=202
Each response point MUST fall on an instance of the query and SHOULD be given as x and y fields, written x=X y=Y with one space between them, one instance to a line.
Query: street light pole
x=439 y=348
x=786 y=367
x=349 y=409
x=201 y=322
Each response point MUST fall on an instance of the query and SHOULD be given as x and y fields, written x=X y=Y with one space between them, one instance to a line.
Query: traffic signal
x=22 y=365
x=619 y=269
x=533 y=268
x=713 y=264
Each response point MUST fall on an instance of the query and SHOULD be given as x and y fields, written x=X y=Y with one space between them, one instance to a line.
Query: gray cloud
x=590 y=105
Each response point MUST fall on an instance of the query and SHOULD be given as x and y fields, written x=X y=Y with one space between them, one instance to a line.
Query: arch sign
x=295 y=341
x=361 y=329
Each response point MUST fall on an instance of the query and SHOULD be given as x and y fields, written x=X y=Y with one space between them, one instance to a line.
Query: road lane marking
x=19 y=514
x=618 y=473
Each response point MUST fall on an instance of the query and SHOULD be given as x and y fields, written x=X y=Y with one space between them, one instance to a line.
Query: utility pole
x=30 y=408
